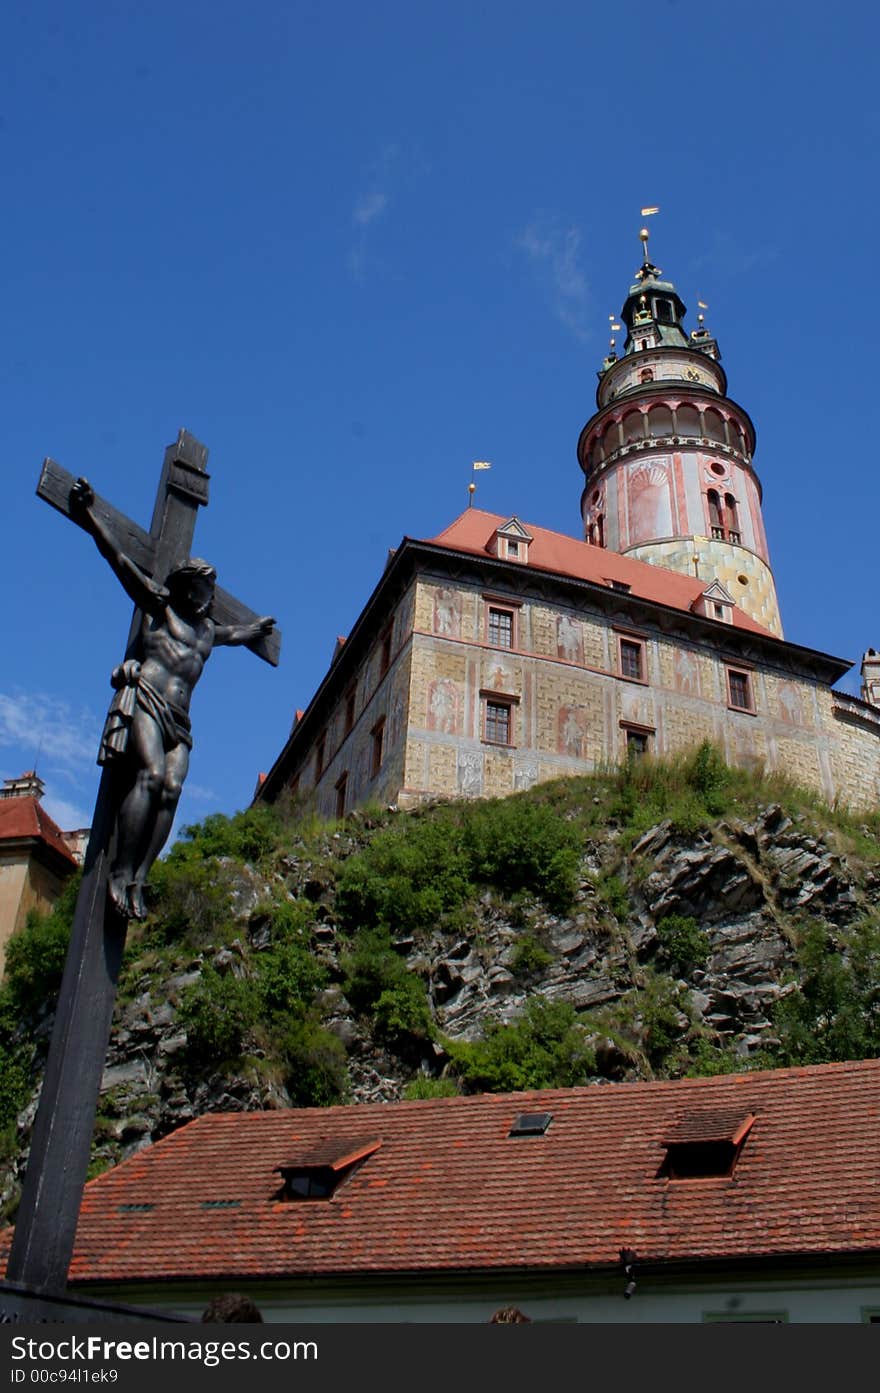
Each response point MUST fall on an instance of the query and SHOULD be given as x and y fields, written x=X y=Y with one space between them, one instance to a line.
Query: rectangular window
x=638 y=741
x=341 y=788
x=319 y=756
x=350 y=700
x=739 y=689
x=377 y=747
x=498 y=728
x=632 y=659
x=500 y=627
x=385 y=641
x=636 y=744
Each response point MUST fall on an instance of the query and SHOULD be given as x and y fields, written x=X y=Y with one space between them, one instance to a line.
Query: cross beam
x=45 y=1228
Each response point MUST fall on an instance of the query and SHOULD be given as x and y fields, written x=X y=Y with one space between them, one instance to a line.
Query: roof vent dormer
x=511 y=542
x=705 y=1144
x=317 y=1173
x=715 y=603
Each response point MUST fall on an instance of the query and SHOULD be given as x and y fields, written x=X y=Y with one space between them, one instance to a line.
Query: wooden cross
x=45 y=1228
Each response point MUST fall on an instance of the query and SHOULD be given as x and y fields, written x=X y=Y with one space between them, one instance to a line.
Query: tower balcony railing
x=667 y=442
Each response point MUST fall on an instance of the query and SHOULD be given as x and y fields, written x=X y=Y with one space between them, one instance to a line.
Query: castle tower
x=668 y=455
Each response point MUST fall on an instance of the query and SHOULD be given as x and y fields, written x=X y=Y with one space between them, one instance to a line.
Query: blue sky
x=355 y=247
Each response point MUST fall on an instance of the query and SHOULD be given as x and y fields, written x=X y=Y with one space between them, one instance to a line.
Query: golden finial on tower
x=644 y=234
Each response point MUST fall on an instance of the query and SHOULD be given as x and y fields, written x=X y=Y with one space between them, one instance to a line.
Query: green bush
x=35 y=955
x=217 y=1012
x=425 y=869
x=529 y=956
x=376 y=981
x=544 y=1048
x=402 y=1012
x=191 y=898
x=247 y=836
x=682 y=943
x=287 y=971
x=14 y=1085
x=423 y=1087
x=517 y=844
x=614 y=896
x=406 y=878
x=834 y=1013
x=708 y=774
x=314 y=1062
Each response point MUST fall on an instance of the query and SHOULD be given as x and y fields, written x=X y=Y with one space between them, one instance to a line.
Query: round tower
x=668 y=455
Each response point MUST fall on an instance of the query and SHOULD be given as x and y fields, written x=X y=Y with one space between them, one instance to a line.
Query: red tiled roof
x=21 y=818
x=567 y=556
x=448 y=1189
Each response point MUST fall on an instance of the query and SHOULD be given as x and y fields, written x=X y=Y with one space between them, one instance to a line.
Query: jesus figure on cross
x=147 y=732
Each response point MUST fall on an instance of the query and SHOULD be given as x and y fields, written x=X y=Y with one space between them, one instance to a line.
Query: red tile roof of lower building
x=26 y=818
x=449 y=1190
x=473 y=530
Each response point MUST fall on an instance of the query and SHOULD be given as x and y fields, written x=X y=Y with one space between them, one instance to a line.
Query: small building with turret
x=499 y=654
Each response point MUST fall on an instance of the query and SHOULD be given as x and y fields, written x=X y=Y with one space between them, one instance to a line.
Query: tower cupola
x=668 y=455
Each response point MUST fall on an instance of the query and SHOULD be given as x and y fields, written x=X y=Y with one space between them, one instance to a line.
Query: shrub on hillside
x=35 y=955
x=545 y=1047
x=834 y=1012
x=216 y=1013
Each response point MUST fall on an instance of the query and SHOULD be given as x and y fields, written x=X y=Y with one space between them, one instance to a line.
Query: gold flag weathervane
x=472 y=487
x=644 y=234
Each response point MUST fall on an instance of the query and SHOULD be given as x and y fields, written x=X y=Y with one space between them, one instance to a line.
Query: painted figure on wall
x=569 y=639
x=447 y=615
x=443 y=706
x=572 y=738
x=687 y=677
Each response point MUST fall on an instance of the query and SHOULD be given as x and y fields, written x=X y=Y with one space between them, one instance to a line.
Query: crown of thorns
x=194 y=567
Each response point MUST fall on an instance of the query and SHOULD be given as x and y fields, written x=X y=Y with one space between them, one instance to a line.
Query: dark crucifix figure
x=180 y=614
x=147 y=733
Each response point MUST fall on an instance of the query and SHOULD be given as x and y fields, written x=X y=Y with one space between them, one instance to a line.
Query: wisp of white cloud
x=46 y=727
x=554 y=252
x=370 y=207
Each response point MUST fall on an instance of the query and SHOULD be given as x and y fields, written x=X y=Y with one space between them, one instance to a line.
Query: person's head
x=231 y=1306
x=509 y=1315
x=192 y=585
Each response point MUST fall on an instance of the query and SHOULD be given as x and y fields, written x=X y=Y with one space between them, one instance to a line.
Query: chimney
x=27 y=786
x=871 y=677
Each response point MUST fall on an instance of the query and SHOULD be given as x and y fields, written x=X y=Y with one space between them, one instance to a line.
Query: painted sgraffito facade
x=498 y=655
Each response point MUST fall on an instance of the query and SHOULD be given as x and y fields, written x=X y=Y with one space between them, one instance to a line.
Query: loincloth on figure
x=133 y=691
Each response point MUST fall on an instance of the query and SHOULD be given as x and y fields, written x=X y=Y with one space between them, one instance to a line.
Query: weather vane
x=644 y=234
x=472 y=486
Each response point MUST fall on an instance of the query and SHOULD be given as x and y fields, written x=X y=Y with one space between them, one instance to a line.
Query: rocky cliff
x=653 y=922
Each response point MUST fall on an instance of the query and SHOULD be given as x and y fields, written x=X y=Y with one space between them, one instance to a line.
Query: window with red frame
x=632 y=659
x=500 y=627
x=498 y=728
x=739 y=688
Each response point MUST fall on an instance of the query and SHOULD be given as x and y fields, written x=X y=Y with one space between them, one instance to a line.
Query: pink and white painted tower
x=668 y=455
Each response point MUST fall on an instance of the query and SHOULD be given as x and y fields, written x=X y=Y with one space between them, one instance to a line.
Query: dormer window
x=321 y=1170
x=705 y=1145
x=715 y=602
x=511 y=542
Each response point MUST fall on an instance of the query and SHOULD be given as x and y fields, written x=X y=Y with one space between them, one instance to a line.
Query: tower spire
x=668 y=456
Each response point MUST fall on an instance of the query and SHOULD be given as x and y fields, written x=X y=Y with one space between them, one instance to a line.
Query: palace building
x=499 y=654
